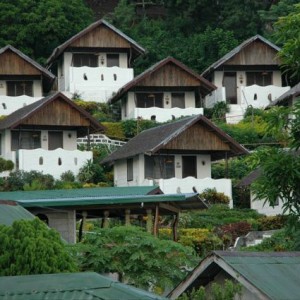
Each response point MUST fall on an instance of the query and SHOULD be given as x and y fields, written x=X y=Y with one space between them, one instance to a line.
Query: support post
x=105 y=220
x=174 y=227
x=226 y=164
x=127 y=217
x=149 y=224
x=80 y=234
x=155 y=230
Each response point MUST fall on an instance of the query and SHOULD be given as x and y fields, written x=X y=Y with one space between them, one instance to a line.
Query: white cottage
x=42 y=136
x=95 y=63
x=249 y=75
x=176 y=156
x=167 y=90
x=22 y=80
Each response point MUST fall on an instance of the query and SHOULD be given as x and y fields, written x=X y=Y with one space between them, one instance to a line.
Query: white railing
x=163 y=114
x=260 y=96
x=189 y=184
x=53 y=162
x=9 y=104
x=215 y=96
x=100 y=139
x=98 y=84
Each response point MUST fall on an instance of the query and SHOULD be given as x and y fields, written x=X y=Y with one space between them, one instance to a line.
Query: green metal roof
x=69 y=286
x=276 y=274
x=77 y=193
x=11 y=211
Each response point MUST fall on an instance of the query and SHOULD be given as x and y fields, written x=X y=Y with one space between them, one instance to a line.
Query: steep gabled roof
x=44 y=71
x=205 y=84
x=236 y=50
x=268 y=275
x=152 y=140
x=292 y=93
x=60 y=49
x=19 y=116
x=85 y=285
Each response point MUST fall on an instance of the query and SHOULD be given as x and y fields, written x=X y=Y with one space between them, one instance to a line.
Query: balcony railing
x=163 y=114
x=98 y=84
x=9 y=104
x=54 y=162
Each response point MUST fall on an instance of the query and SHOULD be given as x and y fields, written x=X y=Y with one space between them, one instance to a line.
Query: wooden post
x=106 y=221
x=174 y=227
x=155 y=230
x=80 y=234
x=149 y=224
x=127 y=217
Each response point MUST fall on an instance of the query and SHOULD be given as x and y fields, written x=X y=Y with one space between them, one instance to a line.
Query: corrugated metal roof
x=80 y=193
x=11 y=211
x=275 y=274
x=85 y=286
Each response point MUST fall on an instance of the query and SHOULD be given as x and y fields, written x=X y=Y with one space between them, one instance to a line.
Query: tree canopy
x=36 y=27
x=30 y=247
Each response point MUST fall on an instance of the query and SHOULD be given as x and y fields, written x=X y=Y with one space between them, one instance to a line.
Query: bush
x=272 y=222
x=213 y=197
x=67 y=176
x=6 y=165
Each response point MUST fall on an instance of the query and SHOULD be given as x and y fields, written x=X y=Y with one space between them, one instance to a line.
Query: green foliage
x=272 y=222
x=41 y=25
x=114 y=130
x=213 y=197
x=132 y=127
x=218 y=215
x=218 y=112
x=67 y=176
x=287 y=30
x=284 y=240
x=138 y=257
x=33 y=180
x=6 y=165
x=30 y=247
x=91 y=172
x=218 y=291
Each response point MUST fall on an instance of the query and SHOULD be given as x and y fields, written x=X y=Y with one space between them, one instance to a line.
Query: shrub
x=213 y=197
x=67 y=176
x=272 y=222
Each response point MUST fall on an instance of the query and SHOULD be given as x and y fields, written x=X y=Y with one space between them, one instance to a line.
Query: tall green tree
x=30 y=247
x=287 y=31
x=36 y=27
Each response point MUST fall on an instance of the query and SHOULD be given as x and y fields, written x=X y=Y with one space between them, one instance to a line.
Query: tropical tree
x=30 y=247
x=138 y=257
x=36 y=27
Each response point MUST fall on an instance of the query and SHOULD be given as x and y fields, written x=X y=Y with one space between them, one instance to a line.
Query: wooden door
x=229 y=82
x=55 y=140
x=189 y=166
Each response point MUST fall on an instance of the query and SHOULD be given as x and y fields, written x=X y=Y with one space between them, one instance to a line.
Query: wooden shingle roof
x=25 y=113
x=60 y=49
x=204 y=84
x=152 y=140
x=236 y=50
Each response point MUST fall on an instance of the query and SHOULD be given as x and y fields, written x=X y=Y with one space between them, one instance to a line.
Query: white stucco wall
x=265 y=208
x=54 y=162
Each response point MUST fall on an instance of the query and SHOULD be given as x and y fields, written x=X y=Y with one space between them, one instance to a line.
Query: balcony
x=163 y=114
x=9 y=104
x=53 y=162
x=186 y=185
x=98 y=84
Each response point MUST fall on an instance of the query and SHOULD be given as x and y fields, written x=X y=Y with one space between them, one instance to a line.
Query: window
x=19 y=88
x=145 y=100
x=113 y=60
x=178 y=100
x=130 y=169
x=85 y=60
x=157 y=167
x=259 y=78
x=25 y=140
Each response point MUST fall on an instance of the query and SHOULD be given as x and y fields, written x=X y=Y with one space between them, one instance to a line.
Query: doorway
x=189 y=166
x=229 y=82
x=55 y=140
